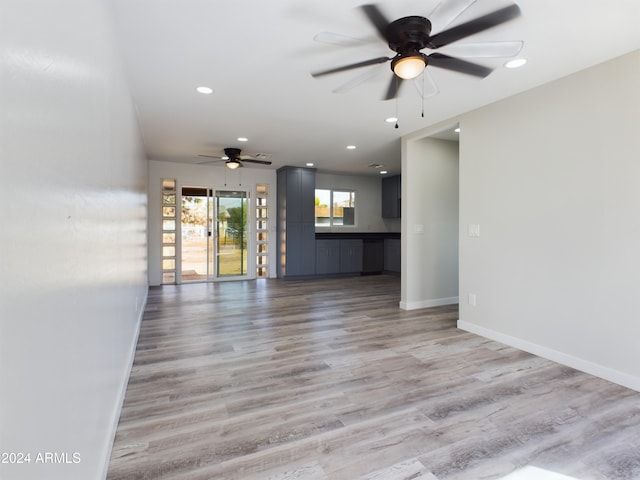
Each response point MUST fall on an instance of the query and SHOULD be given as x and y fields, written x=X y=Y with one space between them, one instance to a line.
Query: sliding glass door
x=231 y=233
x=213 y=234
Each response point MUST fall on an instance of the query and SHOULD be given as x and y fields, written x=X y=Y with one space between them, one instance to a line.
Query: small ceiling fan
x=408 y=36
x=233 y=158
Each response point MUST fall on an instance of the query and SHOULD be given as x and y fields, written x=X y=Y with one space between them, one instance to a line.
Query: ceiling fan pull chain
x=396 y=78
x=423 y=90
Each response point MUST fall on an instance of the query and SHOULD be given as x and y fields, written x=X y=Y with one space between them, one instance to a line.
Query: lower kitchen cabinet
x=351 y=256
x=356 y=253
x=338 y=256
x=327 y=257
x=392 y=255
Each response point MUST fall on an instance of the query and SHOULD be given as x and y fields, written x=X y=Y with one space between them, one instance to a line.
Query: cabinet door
x=350 y=256
x=300 y=249
x=307 y=195
x=327 y=257
x=293 y=203
x=294 y=251
x=308 y=248
x=391 y=193
x=392 y=255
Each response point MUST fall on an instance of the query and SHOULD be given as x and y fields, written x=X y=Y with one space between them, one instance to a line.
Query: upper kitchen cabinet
x=391 y=196
x=299 y=193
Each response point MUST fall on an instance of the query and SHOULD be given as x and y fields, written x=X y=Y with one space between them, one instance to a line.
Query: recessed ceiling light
x=457 y=130
x=309 y=164
x=518 y=62
x=383 y=172
x=391 y=119
x=205 y=90
x=243 y=139
x=351 y=147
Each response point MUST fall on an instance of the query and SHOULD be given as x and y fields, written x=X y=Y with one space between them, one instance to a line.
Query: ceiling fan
x=408 y=36
x=233 y=158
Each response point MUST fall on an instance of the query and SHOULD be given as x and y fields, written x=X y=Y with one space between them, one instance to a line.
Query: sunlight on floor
x=535 y=473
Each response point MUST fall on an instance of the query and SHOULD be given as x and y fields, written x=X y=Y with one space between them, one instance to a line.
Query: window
x=335 y=208
x=168 y=230
x=262 y=231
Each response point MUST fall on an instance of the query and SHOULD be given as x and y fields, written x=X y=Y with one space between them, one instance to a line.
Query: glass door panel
x=196 y=232
x=231 y=233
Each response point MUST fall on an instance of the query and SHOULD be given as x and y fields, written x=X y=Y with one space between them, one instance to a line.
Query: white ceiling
x=257 y=56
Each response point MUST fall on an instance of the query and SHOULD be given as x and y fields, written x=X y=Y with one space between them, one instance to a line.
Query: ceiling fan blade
x=363 y=77
x=485 y=49
x=425 y=85
x=462 y=66
x=338 y=39
x=214 y=159
x=393 y=88
x=252 y=160
x=343 y=68
x=447 y=11
x=377 y=19
x=474 y=26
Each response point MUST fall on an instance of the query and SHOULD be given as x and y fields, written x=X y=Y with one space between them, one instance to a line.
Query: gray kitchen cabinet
x=350 y=256
x=392 y=255
x=391 y=196
x=327 y=257
x=296 y=222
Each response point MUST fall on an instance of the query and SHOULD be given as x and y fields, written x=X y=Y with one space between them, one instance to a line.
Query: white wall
x=429 y=223
x=551 y=176
x=368 y=201
x=211 y=176
x=73 y=242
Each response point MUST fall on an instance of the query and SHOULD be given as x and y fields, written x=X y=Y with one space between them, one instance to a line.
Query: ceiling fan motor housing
x=408 y=34
x=232 y=152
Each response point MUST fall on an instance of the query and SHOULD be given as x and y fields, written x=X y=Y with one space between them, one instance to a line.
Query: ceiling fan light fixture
x=408 y=66
x=233 y=163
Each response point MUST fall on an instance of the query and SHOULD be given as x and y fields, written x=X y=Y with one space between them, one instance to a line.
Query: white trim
x=117 y=408
x=583 y=365
x=436 y=302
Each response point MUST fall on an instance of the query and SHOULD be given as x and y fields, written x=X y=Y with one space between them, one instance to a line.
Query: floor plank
x=329 y=379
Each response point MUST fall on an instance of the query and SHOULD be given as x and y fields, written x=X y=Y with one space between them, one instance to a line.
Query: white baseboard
x=436 y=302
x=581 y=364
x=115 y=415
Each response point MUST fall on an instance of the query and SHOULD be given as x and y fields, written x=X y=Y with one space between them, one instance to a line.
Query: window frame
x=350 y=191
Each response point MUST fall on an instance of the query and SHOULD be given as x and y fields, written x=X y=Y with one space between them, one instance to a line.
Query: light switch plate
x=474 y=230
x=472 y=299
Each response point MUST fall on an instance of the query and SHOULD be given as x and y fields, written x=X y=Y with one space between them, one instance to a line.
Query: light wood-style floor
x=329 y=379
